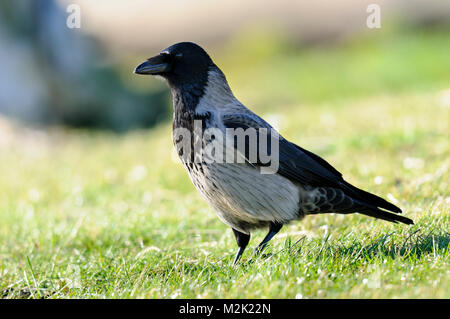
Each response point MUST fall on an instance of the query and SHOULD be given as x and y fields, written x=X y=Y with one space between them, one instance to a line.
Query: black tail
x=370 y=198
x=381 y=214
x=372 y=204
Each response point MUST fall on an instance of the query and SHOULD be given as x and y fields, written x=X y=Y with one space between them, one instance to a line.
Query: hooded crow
x=241 y=193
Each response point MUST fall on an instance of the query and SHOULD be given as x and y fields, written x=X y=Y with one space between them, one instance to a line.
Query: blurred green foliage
x=389 y=60
x=54 y=75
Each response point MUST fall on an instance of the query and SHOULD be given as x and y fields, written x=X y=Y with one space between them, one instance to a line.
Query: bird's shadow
x=416 y=244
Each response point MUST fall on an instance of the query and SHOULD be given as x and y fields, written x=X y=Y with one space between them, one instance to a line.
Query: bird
x=243 y=197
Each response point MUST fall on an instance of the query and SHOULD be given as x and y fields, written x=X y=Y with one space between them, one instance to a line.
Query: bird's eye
x=178 y=55
x=166 y=56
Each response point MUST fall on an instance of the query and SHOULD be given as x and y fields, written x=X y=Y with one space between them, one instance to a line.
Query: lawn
x=99 y=215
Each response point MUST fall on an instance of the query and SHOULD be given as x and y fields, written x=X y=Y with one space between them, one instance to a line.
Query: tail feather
x=381 y=214
x=367 y=197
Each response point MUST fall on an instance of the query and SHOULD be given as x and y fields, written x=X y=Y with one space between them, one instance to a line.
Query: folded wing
x=310 y=170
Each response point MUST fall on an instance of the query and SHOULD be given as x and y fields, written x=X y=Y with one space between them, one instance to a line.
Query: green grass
x=98 y=215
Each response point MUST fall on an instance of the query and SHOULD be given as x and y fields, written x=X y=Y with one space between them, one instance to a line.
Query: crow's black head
x=185 y=65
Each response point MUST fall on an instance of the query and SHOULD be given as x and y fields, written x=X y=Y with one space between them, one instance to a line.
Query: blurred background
x=92 y=194
x=298 y=50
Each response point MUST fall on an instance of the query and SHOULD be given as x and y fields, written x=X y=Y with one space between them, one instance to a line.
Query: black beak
x=155 y=65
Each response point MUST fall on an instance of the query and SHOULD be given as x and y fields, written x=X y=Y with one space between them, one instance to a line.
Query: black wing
x=295 y=163
x=308 y=169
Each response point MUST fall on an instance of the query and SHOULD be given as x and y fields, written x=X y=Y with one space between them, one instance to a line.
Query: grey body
x=242 y=197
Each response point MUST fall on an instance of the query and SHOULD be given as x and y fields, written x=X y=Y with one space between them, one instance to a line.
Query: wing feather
x=304 y=167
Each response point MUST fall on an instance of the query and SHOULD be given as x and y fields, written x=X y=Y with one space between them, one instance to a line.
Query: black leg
x=242 y=242
x=274 y=228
